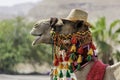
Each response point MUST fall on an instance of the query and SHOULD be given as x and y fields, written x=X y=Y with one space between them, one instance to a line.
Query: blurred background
x=17 y=17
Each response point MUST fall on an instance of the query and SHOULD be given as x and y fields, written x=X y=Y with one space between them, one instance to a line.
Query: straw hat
x=77 y=14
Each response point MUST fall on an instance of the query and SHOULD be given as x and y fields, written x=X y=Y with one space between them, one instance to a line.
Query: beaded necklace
x=71 y=53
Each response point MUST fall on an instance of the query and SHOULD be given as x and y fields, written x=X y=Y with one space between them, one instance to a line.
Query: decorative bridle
x=71 y=52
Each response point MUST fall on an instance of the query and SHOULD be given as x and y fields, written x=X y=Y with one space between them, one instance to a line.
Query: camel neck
x=72 y=52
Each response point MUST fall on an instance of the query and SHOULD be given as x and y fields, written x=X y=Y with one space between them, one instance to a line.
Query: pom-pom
x=89 y=58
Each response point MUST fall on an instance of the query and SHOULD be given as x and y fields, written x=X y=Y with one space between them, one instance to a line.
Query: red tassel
x=55 y=61
x=74 y=40
x=55 y=56
x=66 y=57
x=92 y=46
x=80 y=50
x=60 y=59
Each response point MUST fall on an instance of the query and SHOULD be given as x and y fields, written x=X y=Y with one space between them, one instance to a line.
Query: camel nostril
x=40 y=34
x=35 y=26
x=32 y=31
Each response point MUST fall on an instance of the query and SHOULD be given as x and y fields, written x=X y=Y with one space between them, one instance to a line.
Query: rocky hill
x=16 y=10
x=61 y=8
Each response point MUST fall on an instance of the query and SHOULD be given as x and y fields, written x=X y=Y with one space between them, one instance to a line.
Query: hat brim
x=74 y=20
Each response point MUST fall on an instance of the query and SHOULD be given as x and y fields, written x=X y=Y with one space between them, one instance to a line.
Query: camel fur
x=42 y=30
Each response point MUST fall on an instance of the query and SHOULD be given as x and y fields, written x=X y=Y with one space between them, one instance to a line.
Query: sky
x=14 y=2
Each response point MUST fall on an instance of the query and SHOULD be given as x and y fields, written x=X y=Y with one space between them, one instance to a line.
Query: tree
x=106 y=38
x=15 y=45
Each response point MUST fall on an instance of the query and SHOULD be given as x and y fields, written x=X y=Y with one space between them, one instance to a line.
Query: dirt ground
x=23 y=77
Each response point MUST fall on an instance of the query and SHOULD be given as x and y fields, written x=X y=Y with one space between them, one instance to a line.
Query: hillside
x=16 y=10
x=61 y=8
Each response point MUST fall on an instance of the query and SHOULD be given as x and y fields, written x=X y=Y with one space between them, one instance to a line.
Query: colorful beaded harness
x=71 y=53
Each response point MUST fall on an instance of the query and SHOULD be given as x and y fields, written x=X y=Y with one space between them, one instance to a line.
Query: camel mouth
x=38 y=36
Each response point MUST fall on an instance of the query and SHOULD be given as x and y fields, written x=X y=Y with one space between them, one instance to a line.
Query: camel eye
x=58 y=28
x=36 y=25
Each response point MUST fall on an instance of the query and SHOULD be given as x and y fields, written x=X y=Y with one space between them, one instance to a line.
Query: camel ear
x=53 y=21
x=59 y=22
x=79 y=24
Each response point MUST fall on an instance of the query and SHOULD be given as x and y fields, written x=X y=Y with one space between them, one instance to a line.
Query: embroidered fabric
x=71 y=53
x=97 y=71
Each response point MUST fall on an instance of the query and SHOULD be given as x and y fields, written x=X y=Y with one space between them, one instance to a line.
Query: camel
x=42 y=30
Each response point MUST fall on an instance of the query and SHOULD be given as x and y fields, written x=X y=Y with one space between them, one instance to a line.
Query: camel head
x=42 y=28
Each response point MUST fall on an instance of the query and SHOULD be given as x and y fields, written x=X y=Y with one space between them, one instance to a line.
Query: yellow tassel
x=66 y=66
x=55 y=72
x=73 y=48
x=90 y=52
x=79 y=60
x=61 y=66
x=70 y=60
